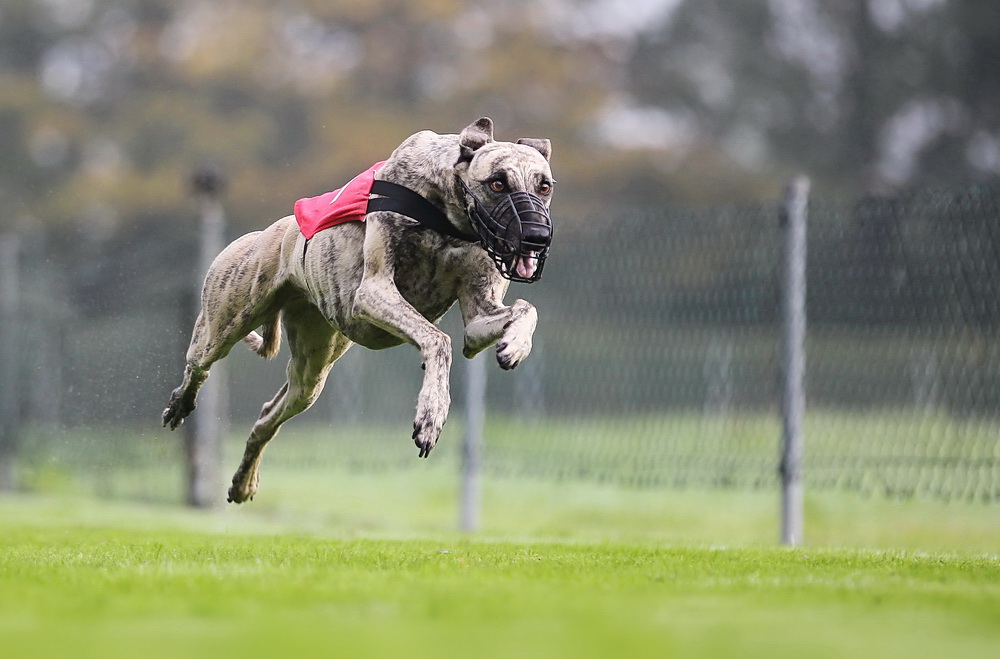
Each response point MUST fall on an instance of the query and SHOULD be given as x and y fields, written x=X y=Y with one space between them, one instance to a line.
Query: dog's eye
x=497 y=186
x=545 y=189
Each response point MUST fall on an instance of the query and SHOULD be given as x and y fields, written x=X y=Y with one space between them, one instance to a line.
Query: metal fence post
x=472 y=447
x=793 y=359
x=204 y=435
x=10 y=402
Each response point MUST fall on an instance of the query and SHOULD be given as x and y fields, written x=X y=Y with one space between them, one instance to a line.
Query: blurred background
x=675 y=125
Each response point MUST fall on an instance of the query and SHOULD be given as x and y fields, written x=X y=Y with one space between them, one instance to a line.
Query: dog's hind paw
x=243 y=488
x=170 y=420
x=180 y=406
x=177 y=410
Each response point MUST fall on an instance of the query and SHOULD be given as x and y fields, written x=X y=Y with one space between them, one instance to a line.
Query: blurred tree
x=106 y=106
x=866 y=95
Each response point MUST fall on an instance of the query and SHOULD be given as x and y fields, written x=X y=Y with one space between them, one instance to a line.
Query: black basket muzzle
x=516 y=233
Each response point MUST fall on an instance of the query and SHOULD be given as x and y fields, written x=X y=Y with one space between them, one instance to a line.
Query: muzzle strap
x=400 y=199
x=516 y=233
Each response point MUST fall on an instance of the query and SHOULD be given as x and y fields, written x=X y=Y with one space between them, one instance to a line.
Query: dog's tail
x=266 y=343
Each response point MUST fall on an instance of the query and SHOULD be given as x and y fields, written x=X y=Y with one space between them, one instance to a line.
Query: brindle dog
x=377 y=283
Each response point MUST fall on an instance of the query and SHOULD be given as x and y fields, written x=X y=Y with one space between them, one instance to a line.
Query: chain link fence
x=655 y=362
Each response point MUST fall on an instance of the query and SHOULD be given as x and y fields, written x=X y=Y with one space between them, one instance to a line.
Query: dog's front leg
x=488 y=321
x=380 y=303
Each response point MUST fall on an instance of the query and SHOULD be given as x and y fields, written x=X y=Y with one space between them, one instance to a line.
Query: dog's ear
x=543 y=147
x=474 y=137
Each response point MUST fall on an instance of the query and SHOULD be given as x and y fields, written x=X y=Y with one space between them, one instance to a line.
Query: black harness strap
x=400 y=199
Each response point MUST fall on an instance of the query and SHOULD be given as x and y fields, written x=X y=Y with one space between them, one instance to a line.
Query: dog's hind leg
x=315 y=346
x=209 y=344
x=242 y=291
x=182 y=399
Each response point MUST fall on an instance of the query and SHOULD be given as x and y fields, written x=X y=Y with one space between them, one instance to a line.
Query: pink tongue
x=526 y=265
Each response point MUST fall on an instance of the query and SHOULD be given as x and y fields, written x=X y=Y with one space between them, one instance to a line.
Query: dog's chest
x=425 y=274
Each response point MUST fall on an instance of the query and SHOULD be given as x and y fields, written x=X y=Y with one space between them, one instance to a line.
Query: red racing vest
x=346 y=204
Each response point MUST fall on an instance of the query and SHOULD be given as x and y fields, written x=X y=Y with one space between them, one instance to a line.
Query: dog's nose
x=534 y=233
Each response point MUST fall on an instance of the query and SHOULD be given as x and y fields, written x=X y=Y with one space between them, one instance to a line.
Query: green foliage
x=865 y=96
x=108 y=107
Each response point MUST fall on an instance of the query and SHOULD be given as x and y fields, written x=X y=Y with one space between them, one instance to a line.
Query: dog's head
x=507 y=188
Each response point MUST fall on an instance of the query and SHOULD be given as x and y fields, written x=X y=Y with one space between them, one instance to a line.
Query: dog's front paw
x=427 y=427
x=424 y=438
x=513 y=348
x=510 y=354
x=514 y=345
x=425 y=434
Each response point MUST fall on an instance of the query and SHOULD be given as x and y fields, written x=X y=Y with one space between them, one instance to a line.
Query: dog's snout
x=536 y=233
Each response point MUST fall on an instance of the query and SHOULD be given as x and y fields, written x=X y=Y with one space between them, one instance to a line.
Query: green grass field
x=350 y=551
x=557 y=571
x=96 y=579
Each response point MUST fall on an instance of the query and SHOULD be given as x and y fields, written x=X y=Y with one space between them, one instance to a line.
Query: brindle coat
x=377 y=283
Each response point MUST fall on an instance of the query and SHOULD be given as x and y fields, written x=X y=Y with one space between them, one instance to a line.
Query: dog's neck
x=443 y=190
x=405 y=201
